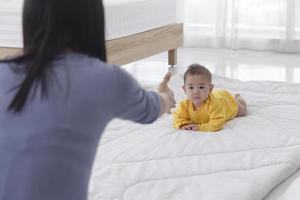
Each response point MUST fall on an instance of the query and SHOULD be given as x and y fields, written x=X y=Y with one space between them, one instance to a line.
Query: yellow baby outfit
x=219 y=107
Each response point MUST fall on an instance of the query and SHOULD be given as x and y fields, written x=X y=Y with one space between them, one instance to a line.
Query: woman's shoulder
x=7 y=68
x=85 y=64
x=75 y=59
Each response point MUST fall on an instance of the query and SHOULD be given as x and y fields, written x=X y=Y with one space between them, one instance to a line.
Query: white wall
x=179 y=10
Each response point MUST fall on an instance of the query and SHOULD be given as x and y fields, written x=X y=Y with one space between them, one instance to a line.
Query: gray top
x=47 y=151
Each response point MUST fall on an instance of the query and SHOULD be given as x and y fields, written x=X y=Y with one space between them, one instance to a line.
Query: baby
x=206 y=109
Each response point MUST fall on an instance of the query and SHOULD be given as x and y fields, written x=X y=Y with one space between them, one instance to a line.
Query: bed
x=135 y=29
x=287 y=190
x=252 y=158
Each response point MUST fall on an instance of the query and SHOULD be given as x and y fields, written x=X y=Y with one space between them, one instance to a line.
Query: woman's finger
x=167 y=77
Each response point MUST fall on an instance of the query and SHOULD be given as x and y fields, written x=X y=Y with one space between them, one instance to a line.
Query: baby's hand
x=190 y=127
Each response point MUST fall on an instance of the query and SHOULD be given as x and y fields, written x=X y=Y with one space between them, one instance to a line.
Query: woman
x=58 y=96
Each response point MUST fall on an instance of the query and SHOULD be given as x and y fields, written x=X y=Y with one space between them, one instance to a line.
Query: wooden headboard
x=135 y=47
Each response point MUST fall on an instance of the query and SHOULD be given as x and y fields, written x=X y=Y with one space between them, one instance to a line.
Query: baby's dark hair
x=197 y=69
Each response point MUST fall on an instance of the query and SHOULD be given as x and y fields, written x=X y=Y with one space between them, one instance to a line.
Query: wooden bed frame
x=135 y=47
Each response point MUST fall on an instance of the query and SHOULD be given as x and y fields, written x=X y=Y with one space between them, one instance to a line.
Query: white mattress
x=123 y=18
x=244 y=161
x=127 y=17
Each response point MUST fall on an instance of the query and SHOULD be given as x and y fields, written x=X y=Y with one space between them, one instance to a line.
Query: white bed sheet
x=244 y=161
x=287 y=190
x=123 y=18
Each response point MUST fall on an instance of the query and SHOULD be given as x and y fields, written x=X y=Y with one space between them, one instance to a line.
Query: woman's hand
x=163 y=86
x=167 y=100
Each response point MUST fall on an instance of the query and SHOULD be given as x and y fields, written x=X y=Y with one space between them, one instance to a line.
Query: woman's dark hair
x=51 y=27
x=197 y=69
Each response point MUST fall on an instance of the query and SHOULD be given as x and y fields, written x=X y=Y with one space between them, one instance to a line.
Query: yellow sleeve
x=216 y=115
x=181 y=116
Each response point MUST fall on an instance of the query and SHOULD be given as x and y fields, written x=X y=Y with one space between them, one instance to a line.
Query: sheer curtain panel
x=243 y=24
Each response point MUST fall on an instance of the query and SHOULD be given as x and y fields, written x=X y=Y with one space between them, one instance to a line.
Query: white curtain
x=243 y=24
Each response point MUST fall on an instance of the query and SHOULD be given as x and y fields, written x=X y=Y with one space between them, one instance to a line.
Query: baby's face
x=197 y=87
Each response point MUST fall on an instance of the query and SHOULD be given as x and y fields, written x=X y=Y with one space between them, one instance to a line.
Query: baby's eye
x=191 y=87
x=201 y=87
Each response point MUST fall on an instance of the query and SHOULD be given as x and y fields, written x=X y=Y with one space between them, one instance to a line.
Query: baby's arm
x=181 y=116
